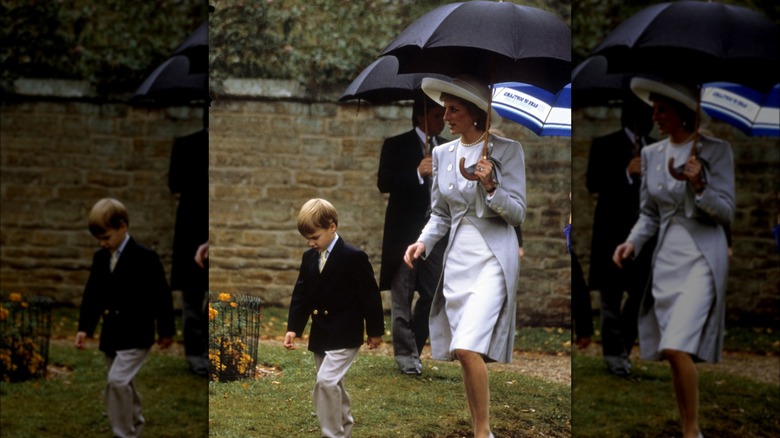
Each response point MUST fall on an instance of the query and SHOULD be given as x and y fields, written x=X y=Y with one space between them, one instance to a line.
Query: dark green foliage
x=113 y=44
x=319 y=43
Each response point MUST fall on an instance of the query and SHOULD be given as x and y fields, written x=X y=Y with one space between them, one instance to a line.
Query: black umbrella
x=495 y=41
x=498 y=42
x=696 y=42
x=181 y=78
x=173 y=81
x=591 y=85
x=196 y=48
x=380 y=83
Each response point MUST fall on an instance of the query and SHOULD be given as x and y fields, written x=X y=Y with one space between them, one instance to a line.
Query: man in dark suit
x=188 y=175
x=405 y=168
x=128 y=289
x=614 y=174
x=337 y=289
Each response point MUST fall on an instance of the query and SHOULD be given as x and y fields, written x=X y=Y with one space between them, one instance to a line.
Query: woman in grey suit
x=682 y=314
x=473 y=310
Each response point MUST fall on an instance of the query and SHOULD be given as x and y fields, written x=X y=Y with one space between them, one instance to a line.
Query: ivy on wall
x=316 y=42
x=113 y=44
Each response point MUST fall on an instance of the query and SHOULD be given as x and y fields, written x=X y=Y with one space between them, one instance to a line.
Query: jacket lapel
x=334 y=259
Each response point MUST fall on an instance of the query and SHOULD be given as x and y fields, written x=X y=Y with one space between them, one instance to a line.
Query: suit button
x=450 y=186
x=658 y=168
x=325 y=313
x=449 y=168
x=315 y=311
x=452 y=147
x=471 y=183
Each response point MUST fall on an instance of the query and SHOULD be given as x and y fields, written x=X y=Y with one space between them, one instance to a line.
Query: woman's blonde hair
x=316 y=214
x=108 y=213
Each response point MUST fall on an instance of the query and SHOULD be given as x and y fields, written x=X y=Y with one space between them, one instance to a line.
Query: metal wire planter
x=25 y=330
x=234 y=334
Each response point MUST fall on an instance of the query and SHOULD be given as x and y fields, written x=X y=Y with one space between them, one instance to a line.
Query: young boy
x=337 y=288
x=128 y=289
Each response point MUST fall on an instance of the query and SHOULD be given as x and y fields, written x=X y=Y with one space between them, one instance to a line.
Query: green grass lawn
x=69 y=403
x=385 y=402
x=644 y=404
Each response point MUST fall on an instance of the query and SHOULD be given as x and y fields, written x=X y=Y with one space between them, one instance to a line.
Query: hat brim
x=644 y=87
x=434 y=88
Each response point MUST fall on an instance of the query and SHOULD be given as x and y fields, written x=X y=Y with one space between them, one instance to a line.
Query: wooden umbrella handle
x=670 y=164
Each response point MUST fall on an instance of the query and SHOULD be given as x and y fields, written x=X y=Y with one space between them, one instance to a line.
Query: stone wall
x=59 y=156
x=754 y=274
x=268 y=155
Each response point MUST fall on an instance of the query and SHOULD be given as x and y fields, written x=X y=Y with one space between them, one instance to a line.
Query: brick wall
x=269 y=155
x=754 y=273
x=58 y=157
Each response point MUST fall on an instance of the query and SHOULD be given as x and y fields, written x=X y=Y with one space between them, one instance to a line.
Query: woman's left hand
x=692 y=171
x=484 y=171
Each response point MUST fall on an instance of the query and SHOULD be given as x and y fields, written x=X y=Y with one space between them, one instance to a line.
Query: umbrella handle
x=675 y=175
x=464 y=172
x=670 y=163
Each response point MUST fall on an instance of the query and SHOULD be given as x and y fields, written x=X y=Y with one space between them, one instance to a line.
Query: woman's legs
x=686 y=389
x=475 y=380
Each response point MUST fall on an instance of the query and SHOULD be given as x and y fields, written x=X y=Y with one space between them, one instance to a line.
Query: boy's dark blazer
x=409 y=204
x=130 y=299
x=338 y=300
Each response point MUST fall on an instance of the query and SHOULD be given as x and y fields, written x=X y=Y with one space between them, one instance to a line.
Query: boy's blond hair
x=316 y=214
x=108 y=213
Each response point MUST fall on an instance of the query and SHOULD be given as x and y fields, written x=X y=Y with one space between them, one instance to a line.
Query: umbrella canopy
x=591 y=85
x=198 y=40
x=172 y=81
x=183 y=77
x=497 y=42
x=754 y=113
x=196 y=48
x=539 y=110
x=696 y=42
x=380 y=83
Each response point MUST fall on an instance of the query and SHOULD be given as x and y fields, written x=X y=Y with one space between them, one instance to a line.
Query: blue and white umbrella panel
x=753 y=112
x=543 y=112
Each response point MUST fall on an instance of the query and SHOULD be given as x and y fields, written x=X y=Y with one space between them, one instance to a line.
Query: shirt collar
x=631 y=135
x=123 y=244
x=421 y=136
x=332 y=244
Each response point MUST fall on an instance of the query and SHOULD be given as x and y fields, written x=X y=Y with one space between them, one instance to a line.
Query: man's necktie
x=114 y=258
x=323 y=259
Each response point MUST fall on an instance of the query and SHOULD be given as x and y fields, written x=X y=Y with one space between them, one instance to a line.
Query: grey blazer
x=495 y=220
x=704 y=218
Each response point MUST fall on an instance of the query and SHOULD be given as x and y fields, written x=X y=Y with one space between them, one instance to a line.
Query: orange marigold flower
x=15 y=297
x=233 y=304
x=224 y=297
x=3 y=313
x=212 y=313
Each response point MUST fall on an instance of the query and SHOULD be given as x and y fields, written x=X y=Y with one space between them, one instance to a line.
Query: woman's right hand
x=622 y=252
x=413 y=252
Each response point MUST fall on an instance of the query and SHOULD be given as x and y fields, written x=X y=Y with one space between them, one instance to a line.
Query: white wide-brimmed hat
x=465 y=87
x=643 y=87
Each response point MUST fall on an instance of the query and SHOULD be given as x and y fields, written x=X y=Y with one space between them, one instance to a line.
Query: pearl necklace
x=481 y=137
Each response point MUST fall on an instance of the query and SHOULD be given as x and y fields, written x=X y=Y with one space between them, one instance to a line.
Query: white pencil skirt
x=474 y=290
x=683 y=289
